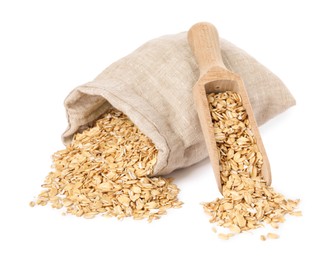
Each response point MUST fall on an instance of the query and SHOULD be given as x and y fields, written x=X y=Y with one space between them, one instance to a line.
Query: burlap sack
x=153 y=86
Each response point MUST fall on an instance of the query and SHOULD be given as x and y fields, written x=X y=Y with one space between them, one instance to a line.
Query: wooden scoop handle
x=204 y=42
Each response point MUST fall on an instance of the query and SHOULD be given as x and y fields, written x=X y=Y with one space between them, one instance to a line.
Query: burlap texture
x=153 y=87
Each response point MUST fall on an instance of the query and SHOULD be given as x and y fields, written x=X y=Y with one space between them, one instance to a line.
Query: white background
x=49 y=47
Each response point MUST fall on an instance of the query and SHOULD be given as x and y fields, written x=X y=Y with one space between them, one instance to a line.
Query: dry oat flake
x=248 y=202
x=105 y=170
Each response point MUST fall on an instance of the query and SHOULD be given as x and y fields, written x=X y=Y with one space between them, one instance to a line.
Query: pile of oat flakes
x=247 y=201
x=107 y=170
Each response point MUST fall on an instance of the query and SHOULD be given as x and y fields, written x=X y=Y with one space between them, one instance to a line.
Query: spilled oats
x=106 y=170
x=248 y=201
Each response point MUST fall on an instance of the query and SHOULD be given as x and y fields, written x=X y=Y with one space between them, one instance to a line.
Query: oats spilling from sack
x=106 y=170
x=248 y=201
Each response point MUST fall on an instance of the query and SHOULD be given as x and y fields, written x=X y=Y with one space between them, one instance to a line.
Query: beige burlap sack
x=153 y=86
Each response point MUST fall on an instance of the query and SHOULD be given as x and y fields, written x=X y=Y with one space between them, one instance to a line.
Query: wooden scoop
x=214 y=78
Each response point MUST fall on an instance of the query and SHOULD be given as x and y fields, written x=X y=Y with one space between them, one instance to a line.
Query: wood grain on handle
x=204 y=42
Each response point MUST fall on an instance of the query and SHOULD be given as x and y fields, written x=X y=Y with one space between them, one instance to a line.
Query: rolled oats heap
x=248 y=202
x=107 y=169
